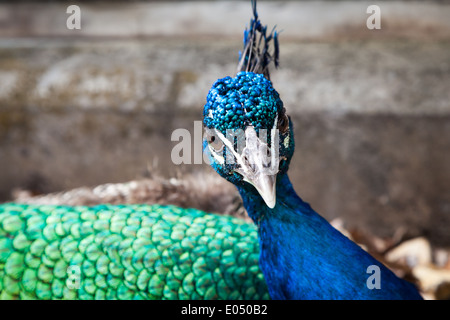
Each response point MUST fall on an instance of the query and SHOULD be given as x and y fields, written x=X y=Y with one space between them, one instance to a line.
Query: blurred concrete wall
x=371 y=107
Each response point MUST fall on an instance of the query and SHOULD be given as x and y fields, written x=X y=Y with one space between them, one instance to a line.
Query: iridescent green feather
x=126 y=252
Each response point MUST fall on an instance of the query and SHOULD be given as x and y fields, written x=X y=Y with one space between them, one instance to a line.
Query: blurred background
x=371 y=108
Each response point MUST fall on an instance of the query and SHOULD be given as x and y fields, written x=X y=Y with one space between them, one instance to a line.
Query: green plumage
x=126 y=252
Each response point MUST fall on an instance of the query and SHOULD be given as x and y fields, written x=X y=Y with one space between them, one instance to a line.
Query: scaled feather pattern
x=126 y=252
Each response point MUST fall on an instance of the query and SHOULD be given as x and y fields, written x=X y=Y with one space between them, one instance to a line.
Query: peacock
x=251 y=142
x=143 y=251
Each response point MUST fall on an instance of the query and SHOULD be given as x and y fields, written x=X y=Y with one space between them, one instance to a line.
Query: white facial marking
x=216 y=156
x=286 y=142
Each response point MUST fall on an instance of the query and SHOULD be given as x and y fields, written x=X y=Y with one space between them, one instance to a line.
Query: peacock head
x=248 y=135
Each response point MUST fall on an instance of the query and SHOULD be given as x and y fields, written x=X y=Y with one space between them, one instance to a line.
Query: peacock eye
x=214 y=141
x=283 y=123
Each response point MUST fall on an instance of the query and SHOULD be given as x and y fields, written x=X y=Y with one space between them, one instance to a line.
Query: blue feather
x=304 y=257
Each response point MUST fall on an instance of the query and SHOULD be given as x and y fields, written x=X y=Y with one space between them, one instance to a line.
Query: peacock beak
x=259 y=165
x=266 y=187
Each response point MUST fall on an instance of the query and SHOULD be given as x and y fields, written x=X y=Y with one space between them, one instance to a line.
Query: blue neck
x=303 y=257
x=287 y=198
